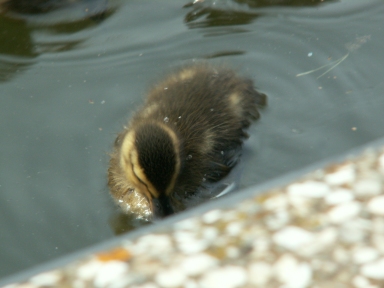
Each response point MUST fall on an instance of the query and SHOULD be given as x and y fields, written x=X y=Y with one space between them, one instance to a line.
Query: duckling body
x=188 y=133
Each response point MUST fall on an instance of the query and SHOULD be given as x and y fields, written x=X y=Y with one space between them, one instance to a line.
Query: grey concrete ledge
x=322 y=226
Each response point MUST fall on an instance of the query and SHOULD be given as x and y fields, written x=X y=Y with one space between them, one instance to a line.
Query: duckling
x=188 y=134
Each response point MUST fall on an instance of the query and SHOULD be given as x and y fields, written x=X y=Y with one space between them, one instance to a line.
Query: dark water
x=68 y=82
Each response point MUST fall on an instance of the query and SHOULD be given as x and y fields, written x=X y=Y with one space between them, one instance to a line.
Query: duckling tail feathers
x=223 y=164
x=256 y=100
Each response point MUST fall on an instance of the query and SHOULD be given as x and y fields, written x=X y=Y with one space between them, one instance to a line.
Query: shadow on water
x=16 y=50
x=76 y=8
x=288 y=3
x=122 y=223
x=215 y=13
x=22 y=20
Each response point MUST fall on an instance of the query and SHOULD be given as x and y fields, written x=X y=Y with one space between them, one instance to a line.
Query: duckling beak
x=161 y=206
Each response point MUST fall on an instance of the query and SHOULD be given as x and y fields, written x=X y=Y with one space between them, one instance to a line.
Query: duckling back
x=203 y=111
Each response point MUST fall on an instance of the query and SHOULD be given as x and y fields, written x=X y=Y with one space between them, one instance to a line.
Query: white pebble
x=302 y=205
x=123 y=282
x=46 y=279
x=312 y=189
x=174 y=277
x=277 y=220
x=232 y=252
x=328 y=236
x=229 y=216
x=210 y=233
x=191 y=284
x=146 y=285
x=193 y=247
x=302 y=277
x=259 y=273
x=226 y=277
x=381 y=163
x=212 y=216
x=344 y=212
x=341 y=255
x=374 y=270
x=284 y=266
x=344 y=175
x=378 y=225
x=77 y=283
x=366 y=188
x=277 y=202
x=354 y=231
x=376 y=205
x=188 y=224
x=234 y=228
x=292 y=237
x=188 y=242
x=360 y=282
x=161 y=242
x=261 y=245
x=89 y=270
x=197 y=264
x=339 y=196
x=153 y=244
x=18 y=285
x=292 y=273
x=378 y=242
x=322 y=241
x=111 y=272
x=362 y=255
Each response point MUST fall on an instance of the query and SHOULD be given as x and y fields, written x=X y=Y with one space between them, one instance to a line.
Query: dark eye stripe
x=138 y=178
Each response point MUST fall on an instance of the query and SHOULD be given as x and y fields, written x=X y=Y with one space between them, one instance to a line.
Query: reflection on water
x=15 y=38
x=224 y=54
x=291 y=3
x=21 y=29
x=213 y=13
x=69 y=82
x=16 y=49
x=217 y=17
x=18 y=8
x=122 y=223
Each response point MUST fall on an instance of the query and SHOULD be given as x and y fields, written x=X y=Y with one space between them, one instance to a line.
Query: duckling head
x=150 y=160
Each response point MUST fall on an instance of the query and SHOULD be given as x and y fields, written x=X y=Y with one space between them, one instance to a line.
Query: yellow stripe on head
x=133 y=171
